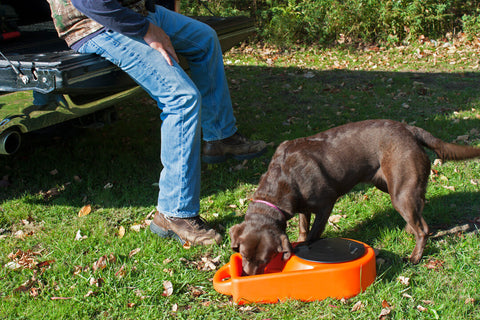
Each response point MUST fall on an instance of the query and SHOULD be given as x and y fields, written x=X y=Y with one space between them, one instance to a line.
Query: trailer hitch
x=22 y=77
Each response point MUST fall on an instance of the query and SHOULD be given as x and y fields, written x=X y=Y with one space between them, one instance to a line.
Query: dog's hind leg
x=409 y=202
x=416 y=225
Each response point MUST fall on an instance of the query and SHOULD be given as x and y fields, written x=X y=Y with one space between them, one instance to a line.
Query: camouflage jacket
x=72 y=25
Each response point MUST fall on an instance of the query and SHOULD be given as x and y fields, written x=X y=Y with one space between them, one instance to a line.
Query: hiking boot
x=236 y=146
x=186 y=230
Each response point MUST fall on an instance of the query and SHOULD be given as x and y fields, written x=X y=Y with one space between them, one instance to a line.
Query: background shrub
x=284 y=22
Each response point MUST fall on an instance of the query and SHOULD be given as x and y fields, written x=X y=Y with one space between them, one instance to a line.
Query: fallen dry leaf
x=20 y=234
x=96 y=282
x=79 y=269
x=121 y=272
x=79 y=237
x=111 y=258
x=146 y=223
x=29 y=285
x=100 y=264
x=151 y=214
x=86 y=209
x=246 y=308
x=139 y=293
x=207 y=263
x=385 y=304
x=121 y=232
x=404 y=280
x=168 y=288
x=89 y=293
x=53 y=192
x=44 y=264
x=24 y=259
x=380 y=262
x=134 y=252
x=469 y=301
x=357 y=306
x=12 y=265
x=421 y=308
x=136 y=227
x=54 y=172
x=169 y=271
x=34 y=292
x=336 y=218
x=24 y=287
x=195 y=291
x=333 y=220
x=238 y=167
x=434 y=264
x=384 y=313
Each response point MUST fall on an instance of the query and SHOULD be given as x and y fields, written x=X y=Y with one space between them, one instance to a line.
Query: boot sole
x=165 y=233
x=239 y=157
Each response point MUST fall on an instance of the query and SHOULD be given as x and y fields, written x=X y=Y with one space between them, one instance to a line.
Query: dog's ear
x=285 y=247
x=235 y=233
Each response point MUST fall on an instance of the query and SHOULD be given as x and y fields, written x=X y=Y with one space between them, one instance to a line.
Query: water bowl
x=328 y=267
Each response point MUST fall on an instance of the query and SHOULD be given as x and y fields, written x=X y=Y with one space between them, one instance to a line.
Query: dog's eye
x=249 y=260
x=265 y=259
x=252 y=261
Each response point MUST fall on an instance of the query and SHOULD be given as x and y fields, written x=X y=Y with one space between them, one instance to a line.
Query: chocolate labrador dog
x=307 y=175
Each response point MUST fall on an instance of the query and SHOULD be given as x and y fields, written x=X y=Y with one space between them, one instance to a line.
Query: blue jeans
x=188 y=105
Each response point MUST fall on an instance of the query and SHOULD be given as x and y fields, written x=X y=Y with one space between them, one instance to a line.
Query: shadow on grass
x=274 y=104
x=446 y=216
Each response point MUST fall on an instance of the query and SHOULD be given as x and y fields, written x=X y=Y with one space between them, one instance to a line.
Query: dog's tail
x=444 y=150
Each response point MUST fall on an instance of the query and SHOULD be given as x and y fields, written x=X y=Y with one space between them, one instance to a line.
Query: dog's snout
x=251 y=269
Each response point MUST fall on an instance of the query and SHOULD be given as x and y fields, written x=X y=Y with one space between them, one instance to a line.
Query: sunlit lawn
x=75 y=203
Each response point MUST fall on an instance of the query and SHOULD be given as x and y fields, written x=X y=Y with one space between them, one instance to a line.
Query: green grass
x=277 y=96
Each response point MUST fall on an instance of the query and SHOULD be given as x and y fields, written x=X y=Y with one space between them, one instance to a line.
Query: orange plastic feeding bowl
x=330 y=267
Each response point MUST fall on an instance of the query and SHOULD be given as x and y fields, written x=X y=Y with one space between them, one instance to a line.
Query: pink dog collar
x=271 y=205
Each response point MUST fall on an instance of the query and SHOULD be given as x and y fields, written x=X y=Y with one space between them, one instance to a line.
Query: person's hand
x=160 y=41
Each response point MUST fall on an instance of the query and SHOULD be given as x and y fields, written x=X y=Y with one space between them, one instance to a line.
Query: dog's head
x=257 y=245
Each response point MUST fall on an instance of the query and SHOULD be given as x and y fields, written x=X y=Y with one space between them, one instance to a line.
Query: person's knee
x=208 y=33
x=190 y=100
